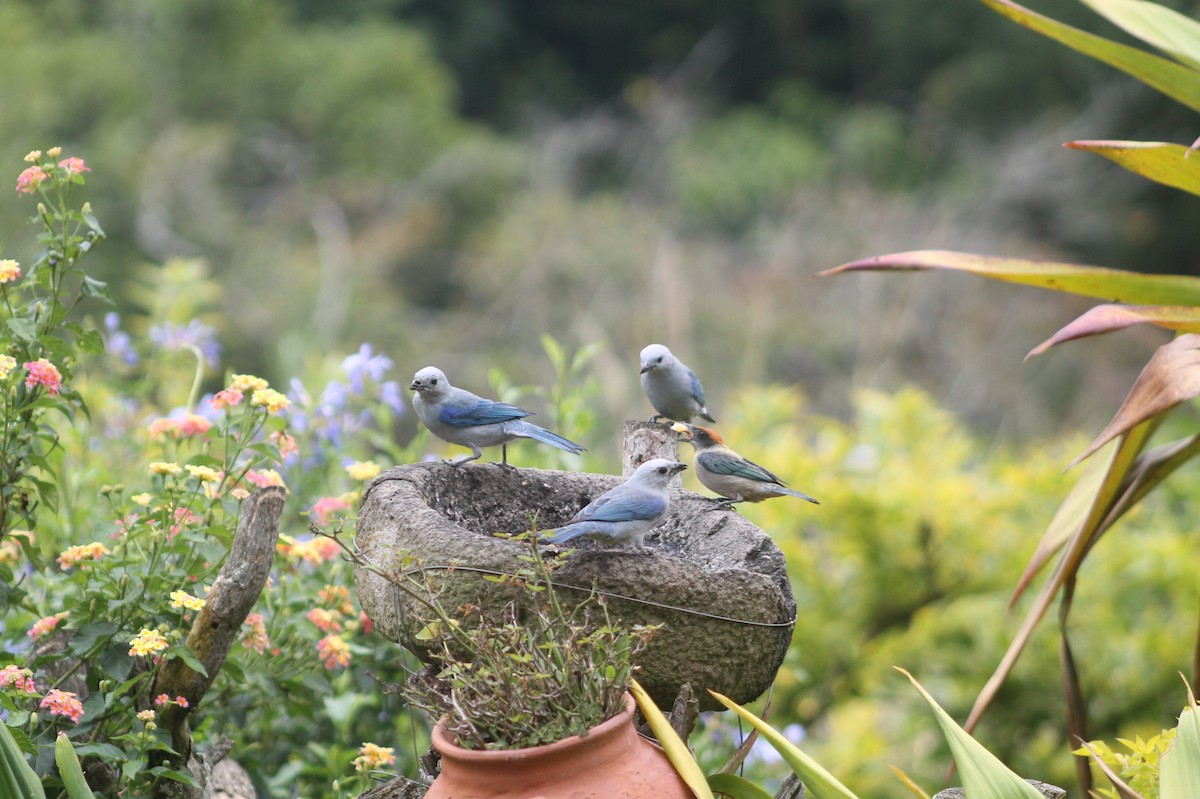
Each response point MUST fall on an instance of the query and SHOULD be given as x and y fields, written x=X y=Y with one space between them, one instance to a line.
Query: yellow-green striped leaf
x=674 y=747
x=1175 y=80
x=983 y=775
x=818 y=782
x=1179 y=767
x=1168 y=164
x=1112 y=285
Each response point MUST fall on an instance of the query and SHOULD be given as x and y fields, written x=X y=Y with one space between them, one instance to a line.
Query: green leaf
x=983 y=775
x=1168 y=164
x=819 y=782
x=96 y=289
x=24 y=329
x=1113 y=285
x=736 y=787
x=185 y=654
x=1179 y=767
x=86 y=637
x=676 y=750
x=1177 y=81
x=93 y=223
x=1173 y=33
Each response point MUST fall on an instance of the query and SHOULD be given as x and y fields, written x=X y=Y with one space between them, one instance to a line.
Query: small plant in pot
x=530 y=690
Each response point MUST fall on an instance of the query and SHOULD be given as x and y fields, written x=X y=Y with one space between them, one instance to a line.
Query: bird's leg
x=504 y=464
x=476 y=454
x=654 y=419
x=722 y=502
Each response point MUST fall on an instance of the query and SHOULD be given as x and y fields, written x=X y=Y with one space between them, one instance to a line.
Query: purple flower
x=117 y=342
x=195 y=334
x=364 y=364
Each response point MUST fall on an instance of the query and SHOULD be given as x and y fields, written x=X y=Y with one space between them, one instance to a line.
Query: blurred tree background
x=451 y=181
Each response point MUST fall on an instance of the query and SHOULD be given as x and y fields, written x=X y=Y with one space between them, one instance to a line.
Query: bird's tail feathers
x=564 y=534
x=799 y=494
x=543 y=435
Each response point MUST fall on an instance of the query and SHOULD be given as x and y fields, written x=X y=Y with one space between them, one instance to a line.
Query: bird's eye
x=433 y=382
x=658 y=359
x=662 y=469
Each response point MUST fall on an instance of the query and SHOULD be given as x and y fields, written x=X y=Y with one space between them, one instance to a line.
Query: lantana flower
x=226 y=399
x=372 y=756
x=7 y=364
x=147 y=642
x=256 y=638
x=46 y=625
x=17 y=678
x=29 y=180
x=270 y=399
x=10 y=270
x=63 y=703
x=73 y=166
x=81 y=554
x=245 y=383
x=182 y=599
x=205 y=474
x=327 y=621
x=334 y=651
x=43 y=373
x=363 y=470
x=164 y=468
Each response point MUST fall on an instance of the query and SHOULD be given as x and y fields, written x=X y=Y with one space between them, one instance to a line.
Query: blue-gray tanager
x=722 y=470
x=460 y=417
x=626 y=513
x=671 y=387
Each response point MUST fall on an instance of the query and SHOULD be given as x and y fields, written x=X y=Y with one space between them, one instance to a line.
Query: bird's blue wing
x=481 y=411
x=697 y=389
x=735 y=466
x=622 y=509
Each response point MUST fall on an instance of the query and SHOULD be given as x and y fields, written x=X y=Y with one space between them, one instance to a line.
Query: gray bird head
x=430 y=381
x=657 y=473
x=656 y=356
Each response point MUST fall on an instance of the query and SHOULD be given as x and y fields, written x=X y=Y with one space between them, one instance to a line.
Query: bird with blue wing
x=625 y=514
x=459 y=417
x=733 y=477
x=672 y=388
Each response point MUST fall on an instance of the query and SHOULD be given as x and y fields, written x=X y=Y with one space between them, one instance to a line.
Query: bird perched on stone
x=672 y=388
x=625 y=514
x=460 y=417
x=735 y=478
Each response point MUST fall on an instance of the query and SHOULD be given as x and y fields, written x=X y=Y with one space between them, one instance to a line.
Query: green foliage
x=534 y=670
x=1138 y=767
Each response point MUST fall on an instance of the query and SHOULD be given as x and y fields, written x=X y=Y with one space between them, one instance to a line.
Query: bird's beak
x=685 y=432
x=677 y=468
x=413 y=386
x=646 y=368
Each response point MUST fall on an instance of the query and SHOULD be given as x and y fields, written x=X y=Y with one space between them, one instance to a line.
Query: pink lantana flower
x=46 y=625
x=63 y=703
x=73 y=166
x=43 y=373
x=334 y=651
x=29 y=180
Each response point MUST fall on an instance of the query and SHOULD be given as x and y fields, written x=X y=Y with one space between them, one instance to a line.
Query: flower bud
x=54 y=152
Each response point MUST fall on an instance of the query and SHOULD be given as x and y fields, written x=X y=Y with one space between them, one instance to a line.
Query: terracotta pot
x=611 y=761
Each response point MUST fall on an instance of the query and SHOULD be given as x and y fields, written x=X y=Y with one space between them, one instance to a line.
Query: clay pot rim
x=605 y=730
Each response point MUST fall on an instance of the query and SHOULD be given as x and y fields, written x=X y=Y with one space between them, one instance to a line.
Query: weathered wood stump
x=716 y=583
